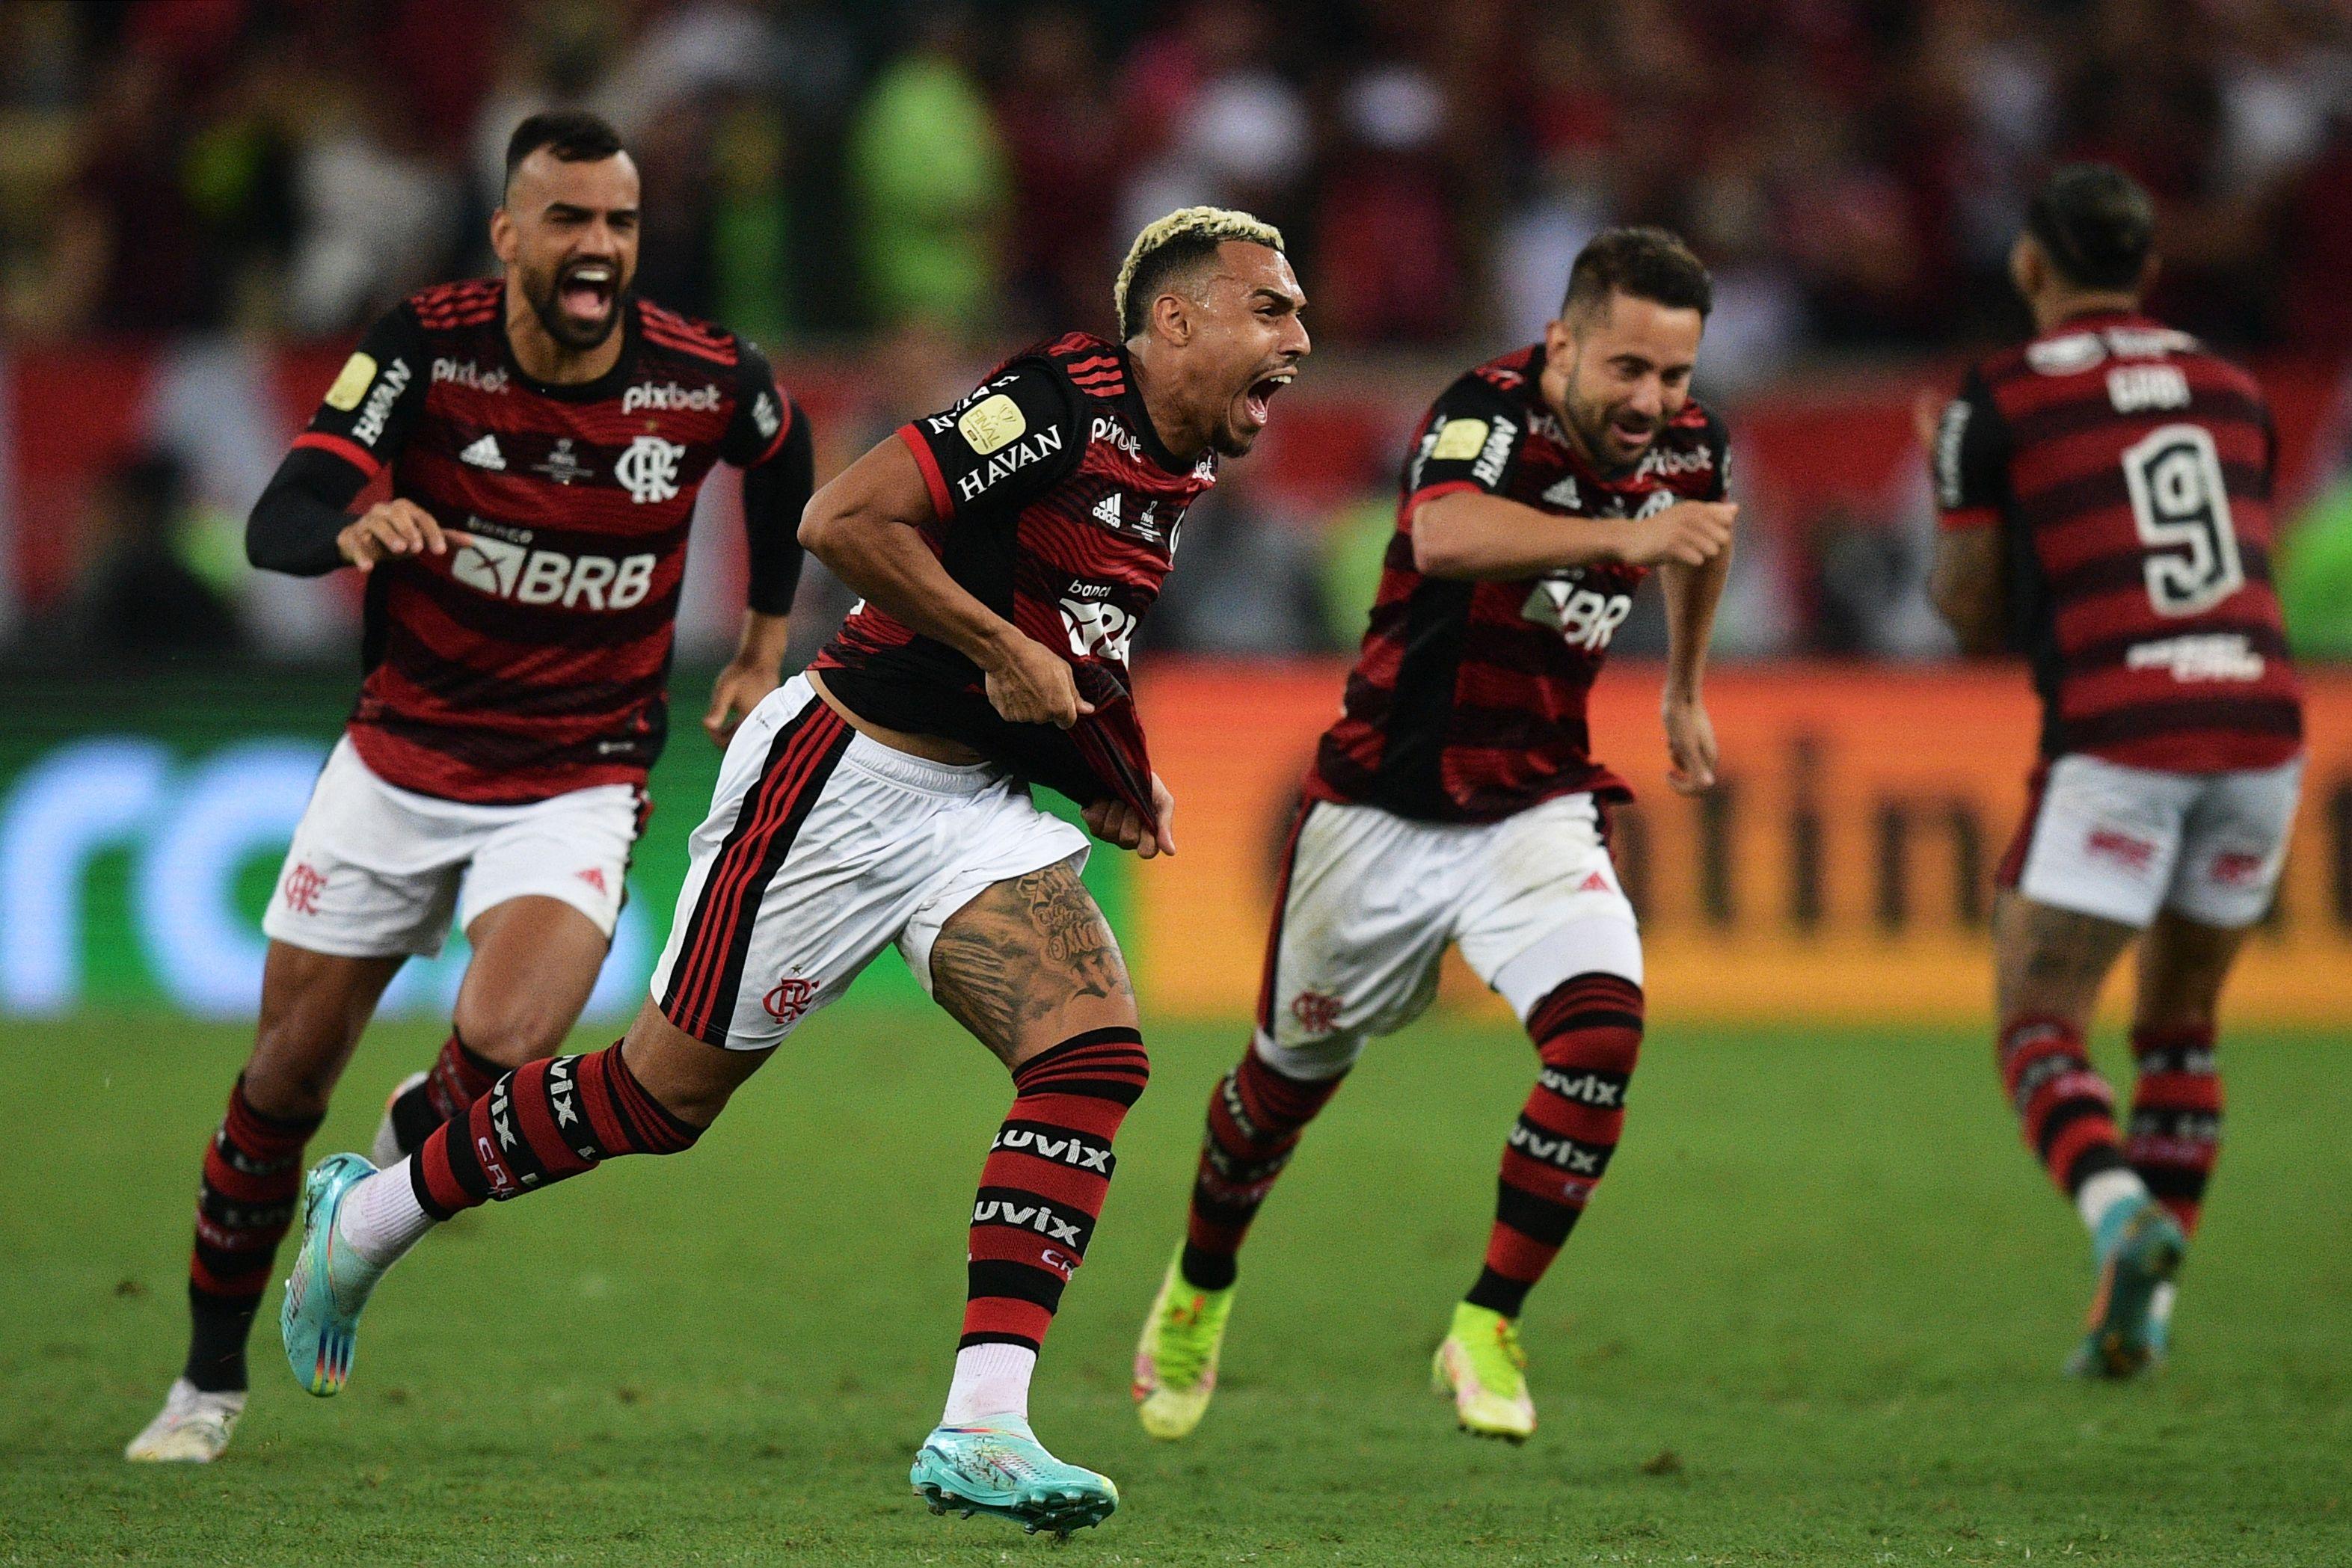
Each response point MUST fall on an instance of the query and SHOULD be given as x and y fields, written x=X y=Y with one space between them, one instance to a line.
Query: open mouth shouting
x=1630 y=434
x=585 y=290
x=1256 y=398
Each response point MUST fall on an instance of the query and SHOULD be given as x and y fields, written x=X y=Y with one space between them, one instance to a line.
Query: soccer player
x=546 y=434
x=1007 y=547
x=1456 y=800
x=2105 y=496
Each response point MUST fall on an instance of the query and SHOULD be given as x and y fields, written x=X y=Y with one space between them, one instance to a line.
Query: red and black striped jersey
x=1058 y=507
x=1467 y=701
x=534 y=660
x=2131 y=473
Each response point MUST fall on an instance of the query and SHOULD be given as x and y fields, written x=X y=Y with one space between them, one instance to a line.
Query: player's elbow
x=822 y=523
x=1973 y=616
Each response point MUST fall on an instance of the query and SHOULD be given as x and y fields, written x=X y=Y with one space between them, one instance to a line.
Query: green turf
x=1816 y=1316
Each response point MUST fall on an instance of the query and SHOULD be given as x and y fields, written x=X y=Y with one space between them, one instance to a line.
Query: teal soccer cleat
x=2139 y=1249
x=997 y=1466
x=319 y=1317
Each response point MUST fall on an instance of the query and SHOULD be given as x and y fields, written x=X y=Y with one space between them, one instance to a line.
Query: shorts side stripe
x=719 y=935
x=2013 y=861
x=1281 y=909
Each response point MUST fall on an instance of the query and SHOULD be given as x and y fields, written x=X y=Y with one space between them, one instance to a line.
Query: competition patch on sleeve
x=1458 y=439
x=352 y=382
x=992 y=423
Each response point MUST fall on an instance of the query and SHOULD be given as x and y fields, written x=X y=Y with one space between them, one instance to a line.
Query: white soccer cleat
x=192 y=1428
x=386 y=1152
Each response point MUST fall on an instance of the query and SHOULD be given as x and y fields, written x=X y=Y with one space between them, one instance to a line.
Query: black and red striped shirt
x=534 y=660
x=2131 y=473
x=1058 y=507
x=1467 y=701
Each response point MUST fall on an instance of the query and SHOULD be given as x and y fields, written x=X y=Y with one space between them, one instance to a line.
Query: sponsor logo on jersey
x=1584 y=617
x=529 y=576
x=1004 y=461
x=1458 y=440
x=1494 y=453
x=669 y=397
x=992 y=423
x=1105 y=428
x=1034 y=1216
x=561 y=466
x=648 y=469
x=2199 y=656
x=485 y=453
x=2068 y=356
x=2147 y=342
x=1564 y=494
x=370 y=428
x=2132 y=388
x=351 y=382
x=1097 y=627
x=1066 y=1147
x=1106 y=509
x=1668 y=463
x=466 y=373
x=766 y=416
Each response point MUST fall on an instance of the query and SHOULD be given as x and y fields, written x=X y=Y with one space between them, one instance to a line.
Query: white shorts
x=822 y=848
x=376 y=872
x=2119 y=843
x=1369 y=900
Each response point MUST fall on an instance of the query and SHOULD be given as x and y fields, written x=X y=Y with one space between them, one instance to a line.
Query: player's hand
x=1690 y=747
x=1028 y=683
x=1689 y=532
x=738 y=689
x=1116 y=822
x=396 y=528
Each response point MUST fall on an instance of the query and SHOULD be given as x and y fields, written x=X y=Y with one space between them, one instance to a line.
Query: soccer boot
x=320 y=1314
x=1480 y=1363
x=385 y=1151
x=995 y=1465
x=192 y=1428
x=2139 y=1249
x=1176 y=1359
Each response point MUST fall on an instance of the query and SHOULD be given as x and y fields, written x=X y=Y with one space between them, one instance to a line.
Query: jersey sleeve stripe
x=942 y=501
x=1428 y=493
x=776 y=444
x=334 y=445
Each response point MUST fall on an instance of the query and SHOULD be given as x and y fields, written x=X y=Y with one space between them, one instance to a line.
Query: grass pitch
x=1815 y=1316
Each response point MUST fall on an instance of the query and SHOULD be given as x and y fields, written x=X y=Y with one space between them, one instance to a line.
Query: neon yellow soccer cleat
x=1480 y=1363
x=1176 y=1359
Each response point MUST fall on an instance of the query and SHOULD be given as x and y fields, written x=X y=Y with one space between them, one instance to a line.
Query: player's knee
x=1309 y=1061
x=1593 y=1022
x=511 y=1034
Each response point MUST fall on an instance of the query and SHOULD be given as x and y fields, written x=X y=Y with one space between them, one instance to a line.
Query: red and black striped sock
x=1256 y=1116
x=2176 y=1117
x=458 y=1077
x=1045 y=1180
x=2065 y=1107
x=253 y=1178
x=1588 y=1033
x=543 y=1122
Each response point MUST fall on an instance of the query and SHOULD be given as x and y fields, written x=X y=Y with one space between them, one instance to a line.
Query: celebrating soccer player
x=1007 y=547
x=1457 y=799
x=546 y=434
x=2106 y=495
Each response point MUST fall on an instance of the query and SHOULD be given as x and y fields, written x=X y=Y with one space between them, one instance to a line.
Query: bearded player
x=545 y=435
x=1007 y=547
x=1457 y=799
x=2105 y=496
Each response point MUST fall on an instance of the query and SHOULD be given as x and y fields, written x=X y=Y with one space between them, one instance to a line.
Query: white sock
x=2105 y=1190
x=989 y=1380
x=2160 y=1302
x=381 y=1219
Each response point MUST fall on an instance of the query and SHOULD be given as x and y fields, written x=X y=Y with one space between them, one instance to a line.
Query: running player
x=1457 y=799
x=546 y=435
x=2105 y=493
x=1007 y=547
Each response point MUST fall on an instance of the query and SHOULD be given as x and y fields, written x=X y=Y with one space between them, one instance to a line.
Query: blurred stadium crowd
x=903 y=186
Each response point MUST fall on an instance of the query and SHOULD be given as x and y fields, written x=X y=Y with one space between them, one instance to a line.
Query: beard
x=1594 y=424
x=576 y=337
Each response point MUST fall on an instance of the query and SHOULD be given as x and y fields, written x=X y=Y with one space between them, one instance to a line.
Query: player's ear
x=2027 y=266
x=2148 y=271
x=1172 y=316
x=503 y=235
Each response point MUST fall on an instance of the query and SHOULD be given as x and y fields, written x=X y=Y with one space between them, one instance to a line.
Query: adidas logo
x=1563 y=493
x=484 y=453
x=1106 y=510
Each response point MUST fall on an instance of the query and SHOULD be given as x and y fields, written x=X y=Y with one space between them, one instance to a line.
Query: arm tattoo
x=1020 y=950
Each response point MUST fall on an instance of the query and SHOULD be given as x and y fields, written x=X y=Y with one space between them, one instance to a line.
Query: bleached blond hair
x=1200 y=229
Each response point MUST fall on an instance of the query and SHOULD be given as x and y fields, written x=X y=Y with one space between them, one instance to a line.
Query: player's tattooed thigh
x=1022 y=949
x=2059 y=951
